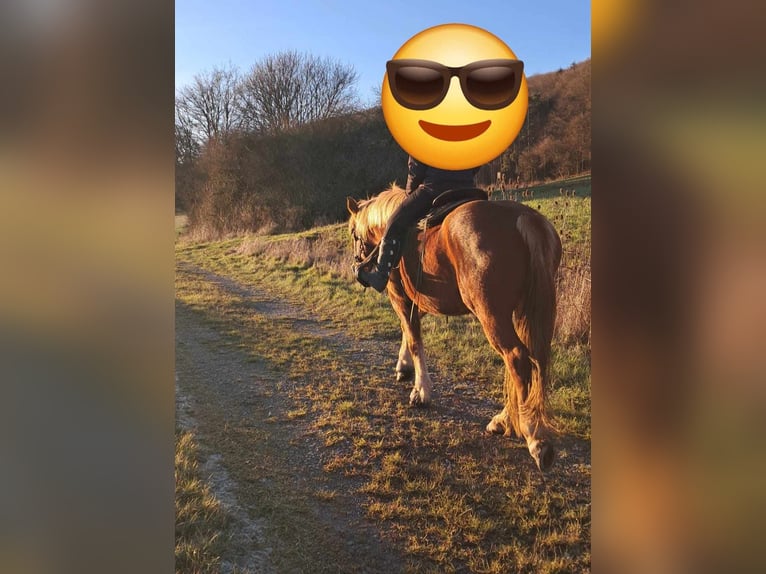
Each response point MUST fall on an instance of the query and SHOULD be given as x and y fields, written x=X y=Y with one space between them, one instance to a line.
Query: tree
x=187 y=147
x=186 y=173
x=207 y=108
x=290 y=89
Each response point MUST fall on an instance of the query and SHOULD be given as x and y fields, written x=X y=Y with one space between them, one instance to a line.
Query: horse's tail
x=535 y=316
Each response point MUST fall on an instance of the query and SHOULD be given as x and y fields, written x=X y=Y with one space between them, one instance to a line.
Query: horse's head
x=362 y=246
x=368 y=221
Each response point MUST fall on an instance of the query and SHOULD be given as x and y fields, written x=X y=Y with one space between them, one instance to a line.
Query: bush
x=291 y=181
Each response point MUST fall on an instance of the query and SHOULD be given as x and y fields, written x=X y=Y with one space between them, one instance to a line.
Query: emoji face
x=454 y=96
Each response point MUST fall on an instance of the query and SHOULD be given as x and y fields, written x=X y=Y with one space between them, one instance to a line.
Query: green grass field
x=451 y=498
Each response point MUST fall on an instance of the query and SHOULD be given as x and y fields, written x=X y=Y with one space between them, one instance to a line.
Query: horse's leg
x=405 y=368
x=517 y=375
x=421 y=390
x=501 y=424
x=529 y=421
x=515 y=418
x=412 y=341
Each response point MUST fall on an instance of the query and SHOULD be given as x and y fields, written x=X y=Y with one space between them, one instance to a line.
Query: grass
x=452 y=498
x=200 y=520
x=181 y=223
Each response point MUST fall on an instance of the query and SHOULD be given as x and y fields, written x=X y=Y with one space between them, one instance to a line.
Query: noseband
x=360 y=262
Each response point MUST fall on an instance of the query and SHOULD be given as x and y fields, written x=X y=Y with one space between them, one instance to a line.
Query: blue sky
x=546 y=34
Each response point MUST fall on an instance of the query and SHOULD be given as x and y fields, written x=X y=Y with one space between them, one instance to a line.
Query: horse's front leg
x=421 y=391
x=405 y=367
x=411 y=352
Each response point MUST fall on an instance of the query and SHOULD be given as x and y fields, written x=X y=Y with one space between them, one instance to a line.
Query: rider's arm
x=416 y=175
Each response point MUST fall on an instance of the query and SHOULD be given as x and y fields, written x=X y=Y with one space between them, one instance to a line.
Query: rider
x=424 y=184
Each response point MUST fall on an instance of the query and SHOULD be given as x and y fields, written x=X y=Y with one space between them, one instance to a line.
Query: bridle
x=360 y=247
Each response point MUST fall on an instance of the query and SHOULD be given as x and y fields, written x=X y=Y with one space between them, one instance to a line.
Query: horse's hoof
x=543 y=454
x=495 y=428
x=404 y=374
x=501 y=425
x=416 y=400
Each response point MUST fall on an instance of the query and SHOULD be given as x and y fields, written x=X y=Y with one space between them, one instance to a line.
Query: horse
x=495 y=259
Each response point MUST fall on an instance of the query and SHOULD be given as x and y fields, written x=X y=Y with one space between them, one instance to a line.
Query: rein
x=372 y=255
x=420 y=267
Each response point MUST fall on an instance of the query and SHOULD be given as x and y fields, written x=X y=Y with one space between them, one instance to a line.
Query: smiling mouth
x=454 y=133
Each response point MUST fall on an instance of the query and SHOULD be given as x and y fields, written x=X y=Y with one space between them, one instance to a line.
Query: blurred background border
x=86 y=286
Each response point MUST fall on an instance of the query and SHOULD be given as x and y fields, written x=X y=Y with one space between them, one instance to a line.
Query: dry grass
x=200 y=520
x=573 y=321
x=327 y=248
x=571 y=216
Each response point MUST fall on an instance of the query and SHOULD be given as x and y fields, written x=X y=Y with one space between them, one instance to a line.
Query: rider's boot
x=388 y=258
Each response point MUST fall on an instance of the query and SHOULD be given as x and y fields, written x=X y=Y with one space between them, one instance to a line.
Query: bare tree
x=187 y=147
x=290 y=89
x=207 y=107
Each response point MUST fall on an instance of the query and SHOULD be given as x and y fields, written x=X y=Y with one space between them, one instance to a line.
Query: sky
x=545 y=34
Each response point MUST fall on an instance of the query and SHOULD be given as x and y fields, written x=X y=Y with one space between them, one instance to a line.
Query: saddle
x=448 y=201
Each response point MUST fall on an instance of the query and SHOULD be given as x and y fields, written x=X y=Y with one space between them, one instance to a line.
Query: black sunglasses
x=423 y=84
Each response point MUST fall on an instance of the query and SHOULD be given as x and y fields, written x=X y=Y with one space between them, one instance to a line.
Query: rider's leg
x=413 y=208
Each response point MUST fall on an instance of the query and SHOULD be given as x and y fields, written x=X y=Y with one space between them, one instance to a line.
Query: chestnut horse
x=495 y=259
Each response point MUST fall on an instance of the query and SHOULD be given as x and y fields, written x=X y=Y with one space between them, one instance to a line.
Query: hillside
x=555 y=140
x=249 y=182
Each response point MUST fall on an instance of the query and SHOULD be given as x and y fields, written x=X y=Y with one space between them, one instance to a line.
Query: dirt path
x=301 y=448
x=287 y=513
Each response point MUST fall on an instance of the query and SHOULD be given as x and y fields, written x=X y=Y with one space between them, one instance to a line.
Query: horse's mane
x=374 y=213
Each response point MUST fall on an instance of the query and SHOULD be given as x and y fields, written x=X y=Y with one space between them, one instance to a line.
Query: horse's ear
x=352 y=205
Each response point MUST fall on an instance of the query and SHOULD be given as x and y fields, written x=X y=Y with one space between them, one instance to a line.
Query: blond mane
x=374 y=213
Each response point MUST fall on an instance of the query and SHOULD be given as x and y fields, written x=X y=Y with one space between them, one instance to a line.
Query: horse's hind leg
x=501 y=424
x=517 y=417
x=517 y=374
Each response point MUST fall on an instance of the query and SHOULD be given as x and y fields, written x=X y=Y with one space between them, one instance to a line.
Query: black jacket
x=435 y=179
